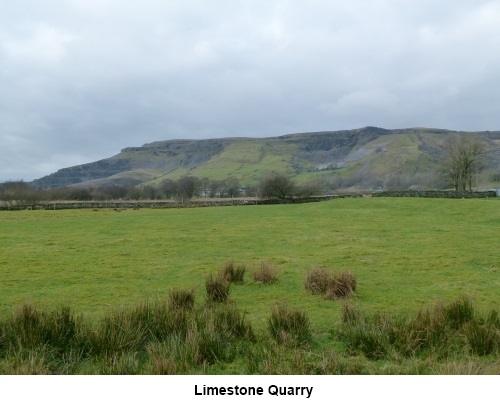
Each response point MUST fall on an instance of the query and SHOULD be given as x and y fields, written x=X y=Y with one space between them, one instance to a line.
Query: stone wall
x=119 y=205
x=437 y=194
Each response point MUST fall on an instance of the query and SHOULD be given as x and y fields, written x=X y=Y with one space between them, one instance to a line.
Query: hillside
x=367 y=156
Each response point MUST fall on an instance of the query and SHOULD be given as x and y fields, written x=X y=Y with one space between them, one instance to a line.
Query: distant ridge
x=370 y=152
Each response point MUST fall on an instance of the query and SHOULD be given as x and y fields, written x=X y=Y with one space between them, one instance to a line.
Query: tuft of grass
x=29 y=362
x=332 y=286
x=232 y=272
x=265 y=273
x=129 y=329
x=341 y=286
x=482 y=338
x=161 y=361
x=181 y=299
x=215 y=335
x=289 y=326
x=459 y=312
x=217 y=288
x=125 y=363
x=31 y=328
x=439 y=331
x=349 y=314
x=317 y=281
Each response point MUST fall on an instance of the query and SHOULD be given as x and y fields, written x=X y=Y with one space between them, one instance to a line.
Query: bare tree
x=233 y=187
x=205 y=187
x=220 y=188
x=462 y=156
x=187 y=187
x=150 y=192
x=168 y=188
x=277 y=186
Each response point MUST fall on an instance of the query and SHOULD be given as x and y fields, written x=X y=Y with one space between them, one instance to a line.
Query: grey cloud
x=82 y=79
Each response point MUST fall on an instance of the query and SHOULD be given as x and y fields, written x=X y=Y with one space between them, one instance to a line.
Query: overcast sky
x=82 y=79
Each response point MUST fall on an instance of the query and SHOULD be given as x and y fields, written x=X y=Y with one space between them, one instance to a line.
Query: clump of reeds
x=331 y=286
x=317 y=281
x=341 y=286
x=265 y=273
x=181 y=299
x=217 y=288
x=232 y=272
x=33 y=328
x=438 y=331
x=288 y=325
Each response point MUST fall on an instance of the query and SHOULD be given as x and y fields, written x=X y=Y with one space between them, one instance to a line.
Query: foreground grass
x=406 y=254
x=158 y=338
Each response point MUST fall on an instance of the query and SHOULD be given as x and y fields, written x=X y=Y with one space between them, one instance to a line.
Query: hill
x=368 y=156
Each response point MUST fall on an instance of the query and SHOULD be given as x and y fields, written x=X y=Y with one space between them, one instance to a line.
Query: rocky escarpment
x=82 y=173
x=132 y=165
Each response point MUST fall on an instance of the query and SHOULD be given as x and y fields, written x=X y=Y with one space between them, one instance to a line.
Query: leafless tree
x=233 y=187
x=277 y=186
x=462 y=156
x=187 y=187
x=205 y=187
x=168 y=188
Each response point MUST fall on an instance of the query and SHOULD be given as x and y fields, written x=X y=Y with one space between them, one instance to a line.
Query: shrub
x=341 y=285
x=181 y=299
x=233 y=273
x=289 y=326
x=317 y=281
x=217 y=288
x=266 y=273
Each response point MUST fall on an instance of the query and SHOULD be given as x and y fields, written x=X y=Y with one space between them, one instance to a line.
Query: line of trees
x=21 y=194
x=274 y=186
x=18 y=193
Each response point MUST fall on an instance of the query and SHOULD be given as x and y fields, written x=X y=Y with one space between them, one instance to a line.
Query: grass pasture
x=406 y=254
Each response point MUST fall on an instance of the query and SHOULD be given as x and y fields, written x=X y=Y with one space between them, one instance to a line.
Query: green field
x=406 y=254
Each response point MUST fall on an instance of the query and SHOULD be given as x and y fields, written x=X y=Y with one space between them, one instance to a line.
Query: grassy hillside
x=370 y=154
